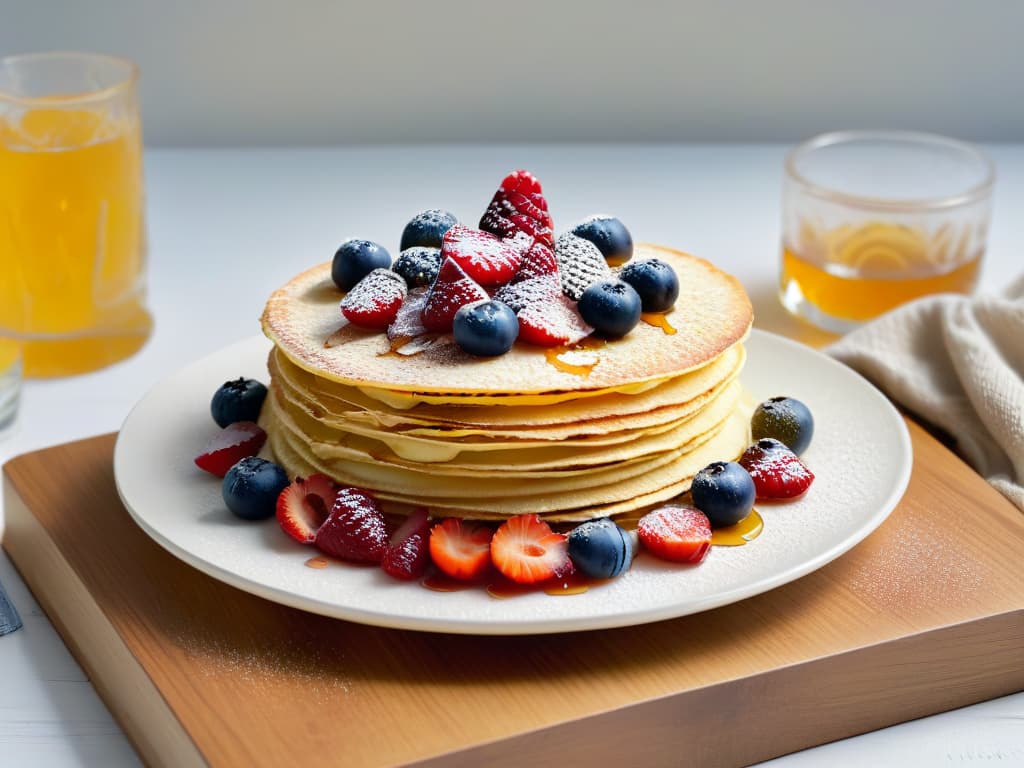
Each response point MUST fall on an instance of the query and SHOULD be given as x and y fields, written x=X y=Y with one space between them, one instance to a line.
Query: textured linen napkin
x=957 y=363
x=9 y=618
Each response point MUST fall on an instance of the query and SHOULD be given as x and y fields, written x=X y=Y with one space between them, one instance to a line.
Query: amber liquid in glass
x=861 y=273
x=72 y=240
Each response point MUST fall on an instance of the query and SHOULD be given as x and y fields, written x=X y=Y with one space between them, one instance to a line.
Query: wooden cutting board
x=926 y=615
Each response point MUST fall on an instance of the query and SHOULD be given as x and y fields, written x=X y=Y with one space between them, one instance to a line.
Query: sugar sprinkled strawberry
x=452 y=289
x=519 y=206
x=374 y=301
x=229 y=446
x=461 y=549
x=526 y=550
x=777 y=472
x=408 y=550
x=551 y=321
x=355 y=529
x=482 y=256
x=305 y=505
x=677 y=533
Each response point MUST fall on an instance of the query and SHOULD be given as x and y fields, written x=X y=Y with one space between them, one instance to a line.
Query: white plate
x=860 y=454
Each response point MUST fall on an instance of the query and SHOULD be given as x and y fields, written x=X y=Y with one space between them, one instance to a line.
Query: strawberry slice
x=407 y=553
x=677 y=533
x=538 y=261
x=551 y=321
x=481 y=255
x=374 y=301
x=461 y=549
x=304 y=505
x=229 y=446
x=778 y=473
x=355 y=529
x=527 y=551
x=452 y=289
x=519 y=206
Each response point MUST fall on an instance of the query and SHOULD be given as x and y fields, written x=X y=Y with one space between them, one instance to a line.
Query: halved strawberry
x=374 y=301
x=304 y=505
x=527 y=551
x=778 y=473
x=481 y=255
x=355 y=529
x=407 y=553
x=552 y=322
x=229 y=446
x=675 y=532
x=452 y=289
x=519 y=206
x=461 y=549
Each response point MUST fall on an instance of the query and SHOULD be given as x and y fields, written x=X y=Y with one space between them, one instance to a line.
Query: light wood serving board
x=925 y=615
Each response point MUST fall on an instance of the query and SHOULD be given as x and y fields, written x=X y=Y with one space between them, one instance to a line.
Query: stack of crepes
x=597 y=430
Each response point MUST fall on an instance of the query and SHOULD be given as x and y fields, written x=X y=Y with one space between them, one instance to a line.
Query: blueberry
x=724 y=491
x=355 y=259
x=612 y=307
x=251 y=488
x=609 y=235
x=238 y=400
x=787 y=420
x=418 y=265
x=485 y=328
x=600 y=548
x=655 y=281
x=427 y=228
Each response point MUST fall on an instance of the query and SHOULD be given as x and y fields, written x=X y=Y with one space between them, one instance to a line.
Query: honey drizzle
x=744 y=532
x=658 y=320
x=553 y=356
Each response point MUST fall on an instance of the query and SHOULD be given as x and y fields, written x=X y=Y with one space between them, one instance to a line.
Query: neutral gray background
x=251 y=72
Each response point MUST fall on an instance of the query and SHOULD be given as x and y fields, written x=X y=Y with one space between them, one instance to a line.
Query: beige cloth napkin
x=958 y=363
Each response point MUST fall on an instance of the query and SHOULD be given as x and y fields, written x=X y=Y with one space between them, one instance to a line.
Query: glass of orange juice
x=72 y=230
x=874 y=219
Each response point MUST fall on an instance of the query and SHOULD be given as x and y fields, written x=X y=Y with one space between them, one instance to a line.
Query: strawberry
x=481 y=255
x=452 y=289
x=527 y=551
x=538 y=261
x=551 y=321
x=519 y=206
x=304 y=505
x=677 y=533
x=407 y=552
x=778 y=473
x=229 y=446
x=461 y=549
x=374 y=301
x=355 y=529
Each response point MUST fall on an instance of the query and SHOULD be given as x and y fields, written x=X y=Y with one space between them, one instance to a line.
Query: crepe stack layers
x=598 y=429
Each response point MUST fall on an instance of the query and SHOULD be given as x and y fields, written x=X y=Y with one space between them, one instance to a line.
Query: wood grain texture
x=926 y=615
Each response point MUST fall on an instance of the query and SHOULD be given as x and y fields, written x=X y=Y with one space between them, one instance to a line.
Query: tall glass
x=72 y=231
x=873 y=219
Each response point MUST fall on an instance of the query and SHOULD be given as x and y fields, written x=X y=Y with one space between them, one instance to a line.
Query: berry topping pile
x=519 y=206
x=514 y=260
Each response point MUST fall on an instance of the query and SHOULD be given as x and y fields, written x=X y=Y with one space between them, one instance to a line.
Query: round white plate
x=860 y=454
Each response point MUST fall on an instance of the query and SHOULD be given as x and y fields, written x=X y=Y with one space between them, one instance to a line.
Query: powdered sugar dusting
x=408 y=322
x=558 y=317
x=580 y=263
x=379 y=289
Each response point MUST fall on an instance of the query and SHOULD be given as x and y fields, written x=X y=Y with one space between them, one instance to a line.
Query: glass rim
x=970 y=195
x=86 y=97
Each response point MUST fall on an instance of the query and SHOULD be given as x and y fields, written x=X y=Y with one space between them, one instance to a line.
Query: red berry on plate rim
x=778 y=473
x=526 y=550
x=677 y=533
x=461 y=549
x=305 y=505
x=229 y=446
x=355 y=529
x=408 y=550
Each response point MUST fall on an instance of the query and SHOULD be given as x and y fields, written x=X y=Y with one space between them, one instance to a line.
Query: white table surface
x=228 y=226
